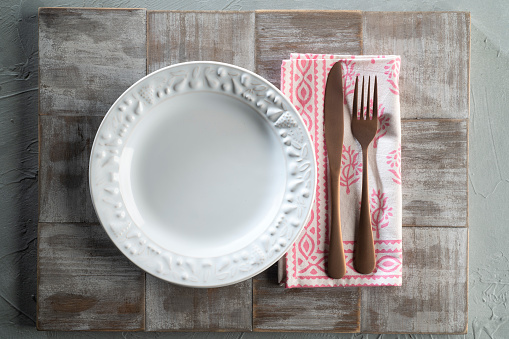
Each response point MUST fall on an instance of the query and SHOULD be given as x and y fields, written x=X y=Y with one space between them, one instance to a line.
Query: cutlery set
x=364 y=125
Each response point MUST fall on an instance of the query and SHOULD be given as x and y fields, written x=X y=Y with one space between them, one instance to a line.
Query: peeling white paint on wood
x=88 y=57
x=435 y=64
x=432 y=298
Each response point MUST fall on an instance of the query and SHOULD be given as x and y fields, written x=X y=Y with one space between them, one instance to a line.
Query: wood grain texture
x=277 y=309
x=65 y=145
x=88 y=57
x=433 y=298
x=434 y=156
x=178 y=308
x=435 y=59
x=176 y=36
x=279 y=33
x=84 y=281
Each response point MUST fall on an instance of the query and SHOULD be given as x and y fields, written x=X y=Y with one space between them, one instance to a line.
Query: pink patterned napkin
x=303 y=80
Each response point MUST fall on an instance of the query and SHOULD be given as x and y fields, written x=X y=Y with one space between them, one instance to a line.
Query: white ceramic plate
x=203 y=174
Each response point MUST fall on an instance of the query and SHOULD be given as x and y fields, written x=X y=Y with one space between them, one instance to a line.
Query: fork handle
x=336 y=267
x=364 y=250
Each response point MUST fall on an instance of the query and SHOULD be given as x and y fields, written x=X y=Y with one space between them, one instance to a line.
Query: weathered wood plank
x=279 y=33
x=435 y=59
x=84 y=281
x=433 y=298
x=434 y=157
x=65 y=145
x=277 y=309
x=176 y=36
x=189 y=309
x=88 y=57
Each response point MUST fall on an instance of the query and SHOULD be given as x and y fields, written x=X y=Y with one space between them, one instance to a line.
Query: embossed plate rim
x=277 y=237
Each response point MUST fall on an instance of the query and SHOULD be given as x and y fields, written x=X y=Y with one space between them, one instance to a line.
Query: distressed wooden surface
x=65 y=145
x=276 y=308
x=85 y=282
x=435 y=281
x=434 y=159
x=88 y=57
x=435 y=59
x=279 y=33
x=176 y=36
x=80 y=270
x=199 y=36
x=178 y=308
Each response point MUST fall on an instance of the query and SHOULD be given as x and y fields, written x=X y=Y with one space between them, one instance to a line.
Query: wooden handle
x=364 y=252
x=336 y=267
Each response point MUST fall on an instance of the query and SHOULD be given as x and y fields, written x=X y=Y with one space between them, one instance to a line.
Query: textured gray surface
x=488 y=171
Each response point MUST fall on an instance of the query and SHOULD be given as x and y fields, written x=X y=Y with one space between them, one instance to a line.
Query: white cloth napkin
x=303 y=80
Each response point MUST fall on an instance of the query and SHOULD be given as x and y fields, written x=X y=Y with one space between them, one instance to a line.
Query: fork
x=364 y=128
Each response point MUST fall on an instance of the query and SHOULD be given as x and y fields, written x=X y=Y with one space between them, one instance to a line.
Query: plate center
x=203 y=174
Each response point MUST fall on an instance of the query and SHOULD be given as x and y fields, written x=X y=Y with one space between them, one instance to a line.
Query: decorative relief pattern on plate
x=123 y=117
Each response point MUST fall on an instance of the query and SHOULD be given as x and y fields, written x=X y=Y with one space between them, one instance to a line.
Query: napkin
x=303 y=80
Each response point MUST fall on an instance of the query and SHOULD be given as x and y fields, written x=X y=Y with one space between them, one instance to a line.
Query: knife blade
x=334 y=129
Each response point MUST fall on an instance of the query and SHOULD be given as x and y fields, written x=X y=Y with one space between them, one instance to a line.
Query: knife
x=334 y=128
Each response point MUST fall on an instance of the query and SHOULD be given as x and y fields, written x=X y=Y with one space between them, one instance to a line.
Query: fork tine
x=362 y=115
x=355 y=99
x=375 y=101
x=368 y=117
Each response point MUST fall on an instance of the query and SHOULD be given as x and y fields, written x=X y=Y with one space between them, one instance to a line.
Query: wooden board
x=303 y=309
x=279 y=33
x=178 y=308
x=226 y=37
x=88 y=57
x=105 y=51
x=435 y=274
x=434 y=172
x=65 y=145
x=435 y=64
x=84 y=282
x=175 y=36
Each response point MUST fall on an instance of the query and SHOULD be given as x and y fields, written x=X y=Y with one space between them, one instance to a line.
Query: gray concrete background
x=488 y=170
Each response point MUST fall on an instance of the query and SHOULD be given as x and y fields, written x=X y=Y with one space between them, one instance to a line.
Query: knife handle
x=336 y=266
